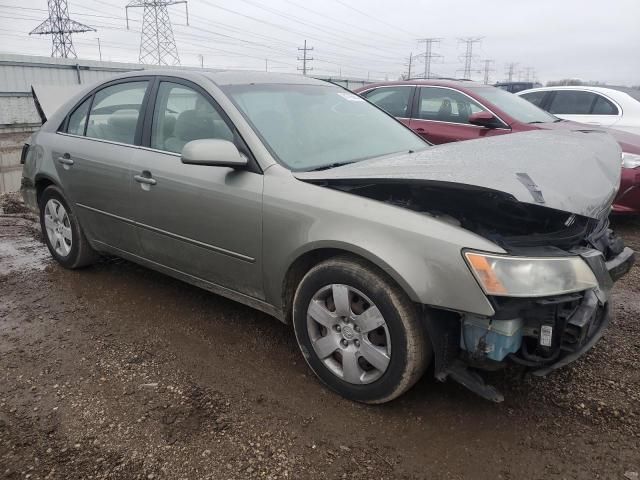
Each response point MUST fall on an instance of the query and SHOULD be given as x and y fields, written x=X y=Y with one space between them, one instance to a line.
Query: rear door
x=441 y=115
x=202 y=221
x=584 y=106
x=94 y=154
x=396 y=100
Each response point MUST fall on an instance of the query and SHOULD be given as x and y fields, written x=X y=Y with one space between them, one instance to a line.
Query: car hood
x=629 y=142
x=576 y=172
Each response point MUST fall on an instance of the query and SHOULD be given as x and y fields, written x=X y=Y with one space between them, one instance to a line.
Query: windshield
x=307 y=127
x=514 y=106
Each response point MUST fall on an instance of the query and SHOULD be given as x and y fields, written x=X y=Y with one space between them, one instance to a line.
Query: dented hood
x=576 y=172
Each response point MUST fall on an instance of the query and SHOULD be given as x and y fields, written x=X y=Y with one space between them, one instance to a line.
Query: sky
x=547 y=39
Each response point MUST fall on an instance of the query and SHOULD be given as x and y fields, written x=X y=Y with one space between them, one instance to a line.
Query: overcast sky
x=586 y=39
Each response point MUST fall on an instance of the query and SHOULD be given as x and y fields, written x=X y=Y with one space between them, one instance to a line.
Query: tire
x=401 y=351
x=68 y=244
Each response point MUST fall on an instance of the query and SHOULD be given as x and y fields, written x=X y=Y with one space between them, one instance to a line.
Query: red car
x=444 y=111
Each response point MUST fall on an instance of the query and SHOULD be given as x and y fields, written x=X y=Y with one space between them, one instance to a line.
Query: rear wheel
x=358 y=331
x=62 y=232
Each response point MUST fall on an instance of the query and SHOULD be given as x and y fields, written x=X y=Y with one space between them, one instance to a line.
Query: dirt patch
x=118 y=372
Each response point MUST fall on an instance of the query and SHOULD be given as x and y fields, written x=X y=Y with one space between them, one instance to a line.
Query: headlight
x=530 y=277
x=630 y=160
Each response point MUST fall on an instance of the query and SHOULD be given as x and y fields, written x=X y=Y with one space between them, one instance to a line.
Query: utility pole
x=305 y=59
x=510 y=71
x=266 y=65
x=157 y=44
x=60 y=27
x=409 y=65
x=428 y=54
x=99 y=49
x=468 y=55
x=487 y=70
x=201 y=60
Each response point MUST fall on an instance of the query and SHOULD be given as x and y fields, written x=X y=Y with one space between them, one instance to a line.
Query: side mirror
x=213 y=152
x=483 y=119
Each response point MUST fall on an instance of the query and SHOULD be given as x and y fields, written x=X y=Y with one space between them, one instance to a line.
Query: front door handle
x=145 y=179
x=65 y=159
x=420 y=129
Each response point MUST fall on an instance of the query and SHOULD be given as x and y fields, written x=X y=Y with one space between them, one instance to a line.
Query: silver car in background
x=303 y=200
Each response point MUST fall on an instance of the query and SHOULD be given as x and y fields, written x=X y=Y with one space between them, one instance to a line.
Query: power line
x=403 y=30
x=60 y=27
x=377 y=34
x=305 y=59
x=468 y=55
x=428 y=54
x=340 y=43
x=157 y=43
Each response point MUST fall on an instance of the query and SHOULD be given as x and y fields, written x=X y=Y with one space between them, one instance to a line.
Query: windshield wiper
x=329 y=166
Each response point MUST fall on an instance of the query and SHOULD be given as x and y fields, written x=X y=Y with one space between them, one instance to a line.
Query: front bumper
x=577 y=322
x=577 y=332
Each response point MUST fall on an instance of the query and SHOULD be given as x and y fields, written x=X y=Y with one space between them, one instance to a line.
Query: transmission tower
x=529 y=74
x=157 y=44
x=305 y=59
x=468 y=55
x=428 y=54
x=487 y=70
x=510 y=71
x=60 y=27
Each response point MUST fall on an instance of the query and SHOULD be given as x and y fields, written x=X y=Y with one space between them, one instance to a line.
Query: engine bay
x=495 y=215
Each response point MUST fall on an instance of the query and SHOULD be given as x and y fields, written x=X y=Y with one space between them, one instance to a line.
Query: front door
x=93 y=155
x=203 y=221
x=441 y=115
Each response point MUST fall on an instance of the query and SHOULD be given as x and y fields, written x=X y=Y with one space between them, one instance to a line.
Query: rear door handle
x=65 y=159
x=144 y=180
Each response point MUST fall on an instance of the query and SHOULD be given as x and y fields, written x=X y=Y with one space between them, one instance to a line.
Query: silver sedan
x=303 y=200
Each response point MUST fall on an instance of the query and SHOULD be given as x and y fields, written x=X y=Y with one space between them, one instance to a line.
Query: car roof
x=436 y=82
x=230 y=77
x=608 y=90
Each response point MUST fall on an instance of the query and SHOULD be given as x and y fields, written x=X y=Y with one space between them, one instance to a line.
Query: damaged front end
x=550 y=289
x=547 y=318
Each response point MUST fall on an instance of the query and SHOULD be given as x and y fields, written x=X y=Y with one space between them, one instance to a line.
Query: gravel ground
x=118 y=372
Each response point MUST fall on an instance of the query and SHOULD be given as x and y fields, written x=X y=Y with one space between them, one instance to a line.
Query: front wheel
x=358 y=331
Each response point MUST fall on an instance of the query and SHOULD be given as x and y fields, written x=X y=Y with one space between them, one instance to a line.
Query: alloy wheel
x=349 y=334
x=58 y=227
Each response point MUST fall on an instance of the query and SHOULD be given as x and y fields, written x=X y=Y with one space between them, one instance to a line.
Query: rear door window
x=604 y=106
x=572 y=102
x=115 y=112
x=78 y=119
x=393 y=100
